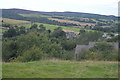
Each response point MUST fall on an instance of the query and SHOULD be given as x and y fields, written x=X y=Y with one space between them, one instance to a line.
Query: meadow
x=52 y=27
x=13 y=21
x=61 y=69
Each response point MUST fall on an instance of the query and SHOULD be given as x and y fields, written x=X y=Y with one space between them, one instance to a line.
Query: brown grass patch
x=73 y=22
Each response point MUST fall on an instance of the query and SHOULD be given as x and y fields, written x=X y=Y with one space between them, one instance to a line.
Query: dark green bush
x=31 y=54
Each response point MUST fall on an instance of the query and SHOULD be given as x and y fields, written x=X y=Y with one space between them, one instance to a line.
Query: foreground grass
x=61 y=69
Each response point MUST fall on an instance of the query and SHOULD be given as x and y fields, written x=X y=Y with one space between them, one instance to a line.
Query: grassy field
x=52 y=27
x=33 y=15
x=61 y=69
x=13 y=21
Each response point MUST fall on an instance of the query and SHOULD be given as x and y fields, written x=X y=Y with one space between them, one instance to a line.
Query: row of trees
x=106 y=29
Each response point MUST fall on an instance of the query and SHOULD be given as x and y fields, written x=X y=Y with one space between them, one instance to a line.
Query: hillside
x=68 y=19
x=68 y=14
x=58 y=44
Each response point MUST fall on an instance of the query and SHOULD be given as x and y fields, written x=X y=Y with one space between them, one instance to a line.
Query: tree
x=41 y=25
x=102 y=47
x=9 y=49
x=42 y=28
x=10 y=33
x=58 y=33
x=22 y=30
x=34 y=26
x=68 y=44
x=82 y=31
x=6 y=25
x=32 y=54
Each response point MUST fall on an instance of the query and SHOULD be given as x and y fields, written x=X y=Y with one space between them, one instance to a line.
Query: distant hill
x=12 y=13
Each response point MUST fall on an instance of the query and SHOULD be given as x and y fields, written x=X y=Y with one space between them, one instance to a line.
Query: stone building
x=71 y=34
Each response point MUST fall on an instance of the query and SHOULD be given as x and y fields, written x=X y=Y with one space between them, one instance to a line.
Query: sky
x=104 y=7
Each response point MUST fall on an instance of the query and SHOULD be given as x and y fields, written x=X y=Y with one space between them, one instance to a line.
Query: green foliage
x=42 y=28
x=93 y=56
x=105 y=29
x=10 y=33
x=58 y=33
x=14 y=31
x=34 y=26
x=32 y=54
x=21 y=46
x=38 y=43
x=86 y=37
x=68 y=55
x=5 y=25
x=114 y=39
x=81 y=55
x=9 y=49
x=69 y=44
x=82 y=31
x=102 y=47
x=102 y=51
x=101 y=57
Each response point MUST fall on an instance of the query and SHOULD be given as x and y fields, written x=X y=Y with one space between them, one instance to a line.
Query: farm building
x=109 y=35
x=71 y=34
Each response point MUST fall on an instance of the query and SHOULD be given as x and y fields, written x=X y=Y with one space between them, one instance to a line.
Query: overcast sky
x=105 y=7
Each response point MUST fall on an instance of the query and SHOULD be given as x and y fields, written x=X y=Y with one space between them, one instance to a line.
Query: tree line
x=36 y=43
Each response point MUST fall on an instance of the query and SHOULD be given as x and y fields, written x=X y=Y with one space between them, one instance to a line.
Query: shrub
x=102 y=47
x=81 y=55
x=68 y=55
x=31 y=54
x=103 y=57
x=9 y=49
x=69 y=44
x=93 y=56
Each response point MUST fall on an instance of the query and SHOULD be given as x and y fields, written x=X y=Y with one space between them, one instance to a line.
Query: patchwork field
x=73 y=22
x=61 y=69
x=28 y=24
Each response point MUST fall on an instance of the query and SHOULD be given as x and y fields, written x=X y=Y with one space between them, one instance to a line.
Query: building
x=71 y=34
x=108 y=36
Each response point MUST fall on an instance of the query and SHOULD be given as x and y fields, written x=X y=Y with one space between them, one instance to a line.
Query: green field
x=33 y=15
x=52 y=27
x=61 y=69
x=48 y=26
